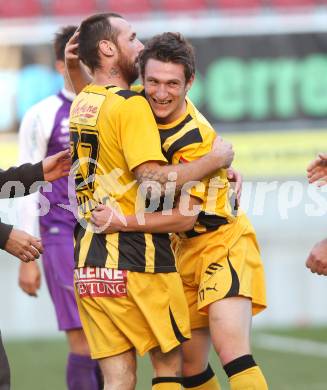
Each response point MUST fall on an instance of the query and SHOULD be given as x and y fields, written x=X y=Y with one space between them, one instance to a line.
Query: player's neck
x=67 y=86
x=175 y=116
x=112 y=76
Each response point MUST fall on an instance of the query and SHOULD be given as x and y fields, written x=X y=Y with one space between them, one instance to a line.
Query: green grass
x=40 y=364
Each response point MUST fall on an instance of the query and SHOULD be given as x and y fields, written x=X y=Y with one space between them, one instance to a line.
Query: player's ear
x=60 y=66
x=190 y=82
x=107 y=48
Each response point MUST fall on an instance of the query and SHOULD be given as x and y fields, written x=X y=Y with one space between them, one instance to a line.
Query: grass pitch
x=40 y=364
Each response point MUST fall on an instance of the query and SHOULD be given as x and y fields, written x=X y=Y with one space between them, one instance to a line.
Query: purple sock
x=82 y=373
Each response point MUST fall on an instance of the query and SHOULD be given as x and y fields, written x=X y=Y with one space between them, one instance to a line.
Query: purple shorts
x=58 y=264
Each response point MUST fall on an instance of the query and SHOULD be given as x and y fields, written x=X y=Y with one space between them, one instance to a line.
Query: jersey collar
x=69 y=95
x=177 y=121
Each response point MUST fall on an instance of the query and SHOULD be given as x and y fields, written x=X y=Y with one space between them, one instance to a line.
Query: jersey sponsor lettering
x=85 y=108
x=100 y=282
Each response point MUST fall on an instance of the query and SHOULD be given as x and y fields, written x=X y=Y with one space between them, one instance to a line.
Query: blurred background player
x=317 y=173
x=16 y=242
x=45 y=130
x=218 y=256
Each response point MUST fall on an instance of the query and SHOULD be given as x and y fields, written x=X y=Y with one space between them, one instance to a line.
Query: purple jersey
x=58 y=221
x=45 y=131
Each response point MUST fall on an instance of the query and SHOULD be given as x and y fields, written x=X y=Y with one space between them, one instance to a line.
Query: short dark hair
x=169 y=47
x=92 y=31
x=61 y=38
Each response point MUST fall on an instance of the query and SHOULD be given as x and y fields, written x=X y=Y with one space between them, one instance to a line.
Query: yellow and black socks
x=244 y=374
x=166 y=383
x=206 y=380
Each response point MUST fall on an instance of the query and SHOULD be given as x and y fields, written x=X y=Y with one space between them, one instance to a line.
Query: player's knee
x=167 y=364
x=231 y=346
x=121 y=380
x=193 y=363
x=81 y=349
x=77 y=342
x=193 y=367
x=231 y=342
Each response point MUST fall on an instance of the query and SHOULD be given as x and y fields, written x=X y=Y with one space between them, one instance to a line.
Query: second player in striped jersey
x=216 y=249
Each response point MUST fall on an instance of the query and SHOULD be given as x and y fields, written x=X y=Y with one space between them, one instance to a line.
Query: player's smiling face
x=166 y=88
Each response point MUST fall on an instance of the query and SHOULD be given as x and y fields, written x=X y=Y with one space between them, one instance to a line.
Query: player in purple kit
x=45 y=131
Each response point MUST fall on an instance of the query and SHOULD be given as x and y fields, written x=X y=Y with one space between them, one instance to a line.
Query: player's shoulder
x=131 y=100
x=127 y=94
x=131 y=96
x=44 y=106
x=43 y=112
x=198 y=118
x=110 y=91
x=119 y=100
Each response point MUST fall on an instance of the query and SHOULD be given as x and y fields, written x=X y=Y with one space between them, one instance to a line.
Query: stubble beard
x=128 y=69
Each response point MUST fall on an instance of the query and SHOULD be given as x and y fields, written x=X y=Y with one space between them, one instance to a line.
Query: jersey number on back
x=86 y=142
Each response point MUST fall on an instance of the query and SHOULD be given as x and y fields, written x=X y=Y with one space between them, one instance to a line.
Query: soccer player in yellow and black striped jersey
x=216 y=250
x=129 y=295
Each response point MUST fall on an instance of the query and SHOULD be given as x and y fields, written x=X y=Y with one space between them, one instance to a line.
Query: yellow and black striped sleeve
x=195 y=144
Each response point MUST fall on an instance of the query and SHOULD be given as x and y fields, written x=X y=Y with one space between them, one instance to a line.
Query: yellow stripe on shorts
x=85 y=246
x=149 y=253
x=113 y=252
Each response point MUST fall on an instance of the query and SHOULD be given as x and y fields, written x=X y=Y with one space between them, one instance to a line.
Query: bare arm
x=182 y=218
x=29 y=279
x=76 y=71
x=221 y=156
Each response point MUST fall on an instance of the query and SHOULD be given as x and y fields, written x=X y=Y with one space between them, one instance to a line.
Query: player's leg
x=81 y=371
x=196 y=352
x=77 y=342
x=110 y=322
x=142 y=314
x=230 y=326
x=167 y=369
x=231 y=290
x=4 y=368
x=161 y=302
x=119 y=371
x=197 y=373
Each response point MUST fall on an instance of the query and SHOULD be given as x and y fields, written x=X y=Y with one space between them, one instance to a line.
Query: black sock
x=239 y=364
